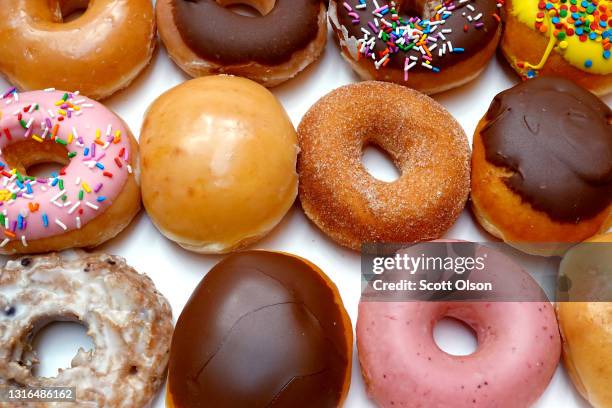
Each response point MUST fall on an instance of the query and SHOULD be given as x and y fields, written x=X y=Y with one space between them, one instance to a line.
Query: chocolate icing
x=472 y=41
x=262 y=329
x=220 y=35
x=556 y=138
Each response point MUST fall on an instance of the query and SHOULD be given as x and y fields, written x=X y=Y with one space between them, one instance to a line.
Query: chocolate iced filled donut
x=263 y=329
x=204 y=37
x=428 y=45
x=542 y=165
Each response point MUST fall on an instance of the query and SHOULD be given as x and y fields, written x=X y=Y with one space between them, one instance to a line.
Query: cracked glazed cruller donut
x=129 y=322
x=91 y=199
x=424 y=141
x=203 y=37
x=99 y=53
x=428 y=45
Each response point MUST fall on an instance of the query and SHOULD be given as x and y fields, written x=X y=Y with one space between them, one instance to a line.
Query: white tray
x=176 y=272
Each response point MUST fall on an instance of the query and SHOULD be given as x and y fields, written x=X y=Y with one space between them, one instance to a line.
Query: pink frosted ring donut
x=518 y=352
x=91 y=199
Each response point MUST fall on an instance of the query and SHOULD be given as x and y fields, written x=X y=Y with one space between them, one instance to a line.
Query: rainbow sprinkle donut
x=96 y=149
x=569 y=38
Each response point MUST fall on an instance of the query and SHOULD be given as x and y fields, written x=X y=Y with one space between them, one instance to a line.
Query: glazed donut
x=99 y=53
x=566 y=39
x=205 y=38
x=92 y=199
x=129 y=322
x=542 y=166
x=262 y=329
x=431 y=46
x=519 y=349
x=426 y=144
x=586 y=326
x=232 y=146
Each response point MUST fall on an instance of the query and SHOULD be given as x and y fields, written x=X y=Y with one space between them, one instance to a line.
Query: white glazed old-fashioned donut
x=129 y=322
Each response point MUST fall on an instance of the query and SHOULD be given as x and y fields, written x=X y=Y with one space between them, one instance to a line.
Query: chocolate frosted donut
x=204 y=37
x=542 y=167
x=263 y=329
x=431 y=46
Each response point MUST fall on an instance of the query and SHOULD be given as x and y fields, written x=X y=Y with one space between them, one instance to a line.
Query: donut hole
x=419 y=8
x=35 y=159
x=55 y=345
x=248 y=8
x=455 y=337
x=379 y=164
x=71 y=10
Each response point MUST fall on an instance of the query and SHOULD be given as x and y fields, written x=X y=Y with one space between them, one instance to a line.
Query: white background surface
x=176 y=272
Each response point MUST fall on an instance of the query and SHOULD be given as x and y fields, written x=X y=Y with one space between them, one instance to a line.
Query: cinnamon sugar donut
x=424 y=141
x=129 y=322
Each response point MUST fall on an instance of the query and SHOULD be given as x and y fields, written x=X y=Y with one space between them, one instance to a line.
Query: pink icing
x=22 y=220
x=518 y=352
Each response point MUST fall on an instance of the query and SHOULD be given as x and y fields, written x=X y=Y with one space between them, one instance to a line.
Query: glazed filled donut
x=518 y=351
x=561 y=38
x=98 y=53
x=428 y=45
x=232 y=146
x=129 y=322
x=542 y=166
x=204 y=37
x=426 y=144
x=92 y=198
x=262 y=329
x=586 y=324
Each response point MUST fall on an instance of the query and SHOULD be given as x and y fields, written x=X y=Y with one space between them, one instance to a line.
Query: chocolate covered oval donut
x=262 y=329
x=204 y=37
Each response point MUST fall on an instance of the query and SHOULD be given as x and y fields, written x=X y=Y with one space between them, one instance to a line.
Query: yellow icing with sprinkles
x=579 y=30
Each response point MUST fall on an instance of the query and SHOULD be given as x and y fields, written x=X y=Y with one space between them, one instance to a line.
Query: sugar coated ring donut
x=426 y=144
x=98 y=53
x=129 y=322
x=567 y=39
x=430 y=46
x=204 y=37
x=91 y=199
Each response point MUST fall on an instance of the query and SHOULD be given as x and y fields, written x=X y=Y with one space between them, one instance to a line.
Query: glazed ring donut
x=426 y=144
x=542 y=166
x=565 y=39
x=129 y=322
x=586 y=322
x=92 y=199
x=431 y=46
x=99 y=53
x=205 y=38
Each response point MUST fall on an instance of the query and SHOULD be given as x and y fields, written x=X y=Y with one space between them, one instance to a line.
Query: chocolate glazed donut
x=204 y=37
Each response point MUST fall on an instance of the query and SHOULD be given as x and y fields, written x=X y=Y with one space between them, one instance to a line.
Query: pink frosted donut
x=91 y=199
x=518 y=352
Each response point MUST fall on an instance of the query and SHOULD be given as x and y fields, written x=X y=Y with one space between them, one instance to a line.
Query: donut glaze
x=96 y=146
x=426 y=144
x=128 y=320
x=99 y=53
x=263 y=329
x=518 y=351
x=220 y=35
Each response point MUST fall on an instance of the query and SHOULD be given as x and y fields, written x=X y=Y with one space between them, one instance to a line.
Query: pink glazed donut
x=518 y=351
x=91 y=199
